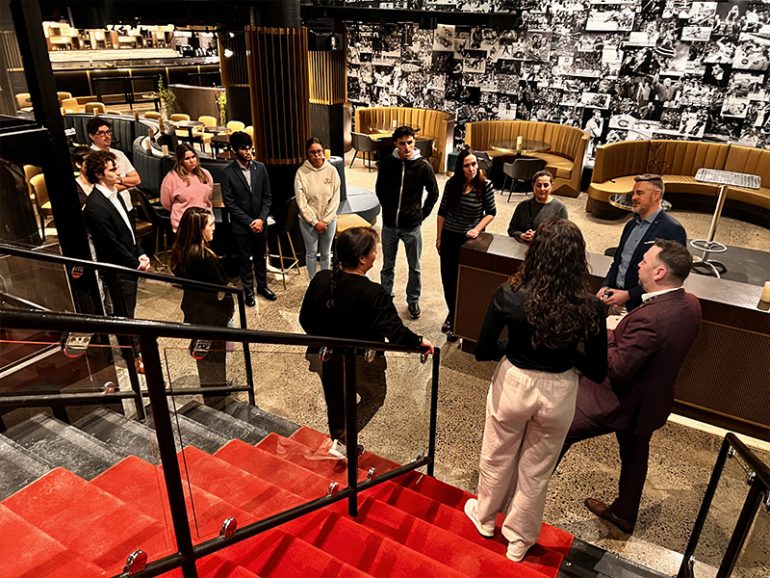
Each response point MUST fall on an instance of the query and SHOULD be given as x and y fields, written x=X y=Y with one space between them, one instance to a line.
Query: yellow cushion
x=560 y=167
x=345 y=222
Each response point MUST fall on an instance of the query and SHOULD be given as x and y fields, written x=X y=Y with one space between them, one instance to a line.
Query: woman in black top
x=541 y=207
x=192 y=258
x=343 y=302
x=554 y=325
x=467 y=207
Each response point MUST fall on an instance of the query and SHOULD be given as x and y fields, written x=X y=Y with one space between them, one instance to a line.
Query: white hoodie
x=318 y=192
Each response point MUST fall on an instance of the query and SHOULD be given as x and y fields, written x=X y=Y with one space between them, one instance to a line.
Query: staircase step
x=319 y=442
x=223 y=423
x=92 y=523
x=445 y=547
x=545 y=557
x=28 y=552
x=257 y=417
x=316 y=461
x=271 y=468
x=191 y=433
x=65 y=445
x=278 y=554
x=19 y=467
x=116 y=430
x=357 y=545
x=217 y=566
x=146 y=490
x=235 y=486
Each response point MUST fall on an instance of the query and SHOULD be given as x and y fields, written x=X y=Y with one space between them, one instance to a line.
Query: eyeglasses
x=315 y=153
x=103 y=132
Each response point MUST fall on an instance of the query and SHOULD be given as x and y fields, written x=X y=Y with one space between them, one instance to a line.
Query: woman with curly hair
x=555 y=326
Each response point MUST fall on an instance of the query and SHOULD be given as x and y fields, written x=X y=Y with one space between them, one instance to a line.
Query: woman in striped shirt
x=467 y=207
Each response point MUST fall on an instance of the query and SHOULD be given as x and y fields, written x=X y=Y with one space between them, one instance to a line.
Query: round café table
x=511 y=146
x=185 y=126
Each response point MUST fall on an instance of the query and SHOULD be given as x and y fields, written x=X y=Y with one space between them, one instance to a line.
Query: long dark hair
x=189 y=243
x=181 y=150
x=554 y=276
x=352 y=244
x=456 y=183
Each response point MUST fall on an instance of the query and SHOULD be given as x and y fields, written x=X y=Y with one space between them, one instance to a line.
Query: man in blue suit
x=247 y=196
x=621 y=285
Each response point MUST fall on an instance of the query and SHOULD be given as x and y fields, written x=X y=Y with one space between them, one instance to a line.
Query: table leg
x=708 y=245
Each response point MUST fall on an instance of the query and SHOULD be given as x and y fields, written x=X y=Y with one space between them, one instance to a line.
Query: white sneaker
x=338 y=450
x=471 y=510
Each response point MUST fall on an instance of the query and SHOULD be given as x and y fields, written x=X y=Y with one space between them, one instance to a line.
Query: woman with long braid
x=343 y=302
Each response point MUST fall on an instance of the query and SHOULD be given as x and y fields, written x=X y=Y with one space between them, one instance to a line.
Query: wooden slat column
x=328 y=92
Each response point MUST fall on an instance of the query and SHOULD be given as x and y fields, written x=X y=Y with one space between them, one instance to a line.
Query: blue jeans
x=315 y=241
x=412 y=239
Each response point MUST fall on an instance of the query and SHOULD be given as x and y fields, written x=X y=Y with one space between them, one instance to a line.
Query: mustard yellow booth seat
x=678 y=161
x=564 y=158
x=432 y=124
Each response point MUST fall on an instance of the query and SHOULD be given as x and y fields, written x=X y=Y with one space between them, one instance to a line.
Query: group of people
x=562 y=375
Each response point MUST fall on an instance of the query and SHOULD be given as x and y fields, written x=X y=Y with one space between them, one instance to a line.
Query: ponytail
x=336 y=272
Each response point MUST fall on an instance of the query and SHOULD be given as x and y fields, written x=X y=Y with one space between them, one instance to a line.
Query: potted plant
x=167 y=99
x=222 y=106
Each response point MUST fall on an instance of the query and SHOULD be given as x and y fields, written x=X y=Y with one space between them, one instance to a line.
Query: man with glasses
x=621 y=285
x=247 y=196
x=100 y=133
x=401 y=179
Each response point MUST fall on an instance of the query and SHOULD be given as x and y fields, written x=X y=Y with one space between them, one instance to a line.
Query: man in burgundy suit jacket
x=645 y=352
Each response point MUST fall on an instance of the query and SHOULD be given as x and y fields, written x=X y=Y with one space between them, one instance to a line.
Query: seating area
x=432 y=124
x=564 y=156
x=678 y=161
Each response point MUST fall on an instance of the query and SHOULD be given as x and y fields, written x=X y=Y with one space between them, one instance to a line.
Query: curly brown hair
x=558 y=304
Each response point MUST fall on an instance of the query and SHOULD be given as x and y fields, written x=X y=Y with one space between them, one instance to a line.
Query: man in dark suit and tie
x=247 y=196
x=645 y=352
x=110 y=223
x=621 y=285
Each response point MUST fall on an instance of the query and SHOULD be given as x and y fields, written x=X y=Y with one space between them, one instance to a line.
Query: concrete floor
x=683 y=452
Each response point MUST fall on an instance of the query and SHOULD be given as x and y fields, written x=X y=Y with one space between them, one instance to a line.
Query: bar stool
x=289 y=223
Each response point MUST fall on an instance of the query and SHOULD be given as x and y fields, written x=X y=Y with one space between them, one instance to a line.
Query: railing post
x=685 y=570
x=167 y=450
x=741 y=531
x=246 y=350
x=433 y=410
x=351 y=427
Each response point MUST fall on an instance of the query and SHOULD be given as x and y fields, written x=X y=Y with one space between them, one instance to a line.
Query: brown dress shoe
x=139 y=364
x=603 y=511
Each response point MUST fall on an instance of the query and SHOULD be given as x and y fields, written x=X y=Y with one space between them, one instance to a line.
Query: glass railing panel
x=73 y=433
x=719 y=524
x=393 y=409
x=239 y=460
x=753 y=559
x=30 y=284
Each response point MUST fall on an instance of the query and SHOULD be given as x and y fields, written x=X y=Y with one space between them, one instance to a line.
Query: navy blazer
x=112 y=239
x=663 y=227
x=244 y=204
x=644 y=354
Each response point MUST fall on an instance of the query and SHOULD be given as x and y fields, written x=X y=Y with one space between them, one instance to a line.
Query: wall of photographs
x=620 y=69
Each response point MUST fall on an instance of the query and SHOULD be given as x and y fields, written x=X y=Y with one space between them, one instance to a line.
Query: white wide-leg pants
x=528 y=416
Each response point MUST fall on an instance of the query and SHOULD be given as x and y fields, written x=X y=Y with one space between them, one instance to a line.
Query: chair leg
x=280 y=261
x=355 y=154
x=293 y=253
x=505 y=181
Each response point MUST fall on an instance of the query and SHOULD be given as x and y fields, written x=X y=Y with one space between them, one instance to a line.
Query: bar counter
x=725 y=379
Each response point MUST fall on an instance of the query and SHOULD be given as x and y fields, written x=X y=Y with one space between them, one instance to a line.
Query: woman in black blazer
x=192 y=258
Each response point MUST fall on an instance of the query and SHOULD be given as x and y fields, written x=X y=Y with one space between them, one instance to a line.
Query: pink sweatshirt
x=176 y=196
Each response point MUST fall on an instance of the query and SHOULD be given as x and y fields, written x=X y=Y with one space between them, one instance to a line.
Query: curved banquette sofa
x=678 y=161
x=432 y=123
x=564 y=158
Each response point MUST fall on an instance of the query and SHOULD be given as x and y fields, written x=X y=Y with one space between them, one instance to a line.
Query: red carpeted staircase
x=63 y=525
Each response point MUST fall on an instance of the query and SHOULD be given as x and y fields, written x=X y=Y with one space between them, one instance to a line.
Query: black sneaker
x=451 y=337
x=414 y=310
x=447 y=327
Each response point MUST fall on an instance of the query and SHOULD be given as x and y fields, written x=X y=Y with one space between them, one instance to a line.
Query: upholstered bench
x=564 y=157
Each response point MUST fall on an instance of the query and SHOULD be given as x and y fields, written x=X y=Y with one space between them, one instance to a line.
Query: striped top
x=470 y=211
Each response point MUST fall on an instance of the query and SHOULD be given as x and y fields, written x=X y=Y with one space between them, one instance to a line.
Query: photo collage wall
x=620 y=69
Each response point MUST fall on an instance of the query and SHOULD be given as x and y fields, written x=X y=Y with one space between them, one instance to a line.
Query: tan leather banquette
x=432 y=123
x=564 y=158
x=678 y=161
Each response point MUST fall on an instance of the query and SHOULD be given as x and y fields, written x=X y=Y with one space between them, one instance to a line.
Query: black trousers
x=251 y=247
x=212 y=370
x=450 y=262
x=122 y=291
x=371 y=386
x=634 y=457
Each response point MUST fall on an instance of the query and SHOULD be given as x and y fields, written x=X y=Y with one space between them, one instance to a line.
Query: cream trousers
x=528 y=416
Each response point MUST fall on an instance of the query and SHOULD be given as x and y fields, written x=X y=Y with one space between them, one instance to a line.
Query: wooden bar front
x=725 y=379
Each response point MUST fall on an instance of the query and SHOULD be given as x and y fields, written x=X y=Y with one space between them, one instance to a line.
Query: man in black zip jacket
x=401 y=179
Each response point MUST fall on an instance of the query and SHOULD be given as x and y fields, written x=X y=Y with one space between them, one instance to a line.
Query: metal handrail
x=110 y=269
x=758 y=479
x=148 y=332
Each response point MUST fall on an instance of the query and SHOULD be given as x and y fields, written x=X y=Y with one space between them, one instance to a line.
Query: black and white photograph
x=612 y=18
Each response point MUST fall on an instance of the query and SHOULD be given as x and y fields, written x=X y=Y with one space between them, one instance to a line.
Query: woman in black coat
x=192 y=258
